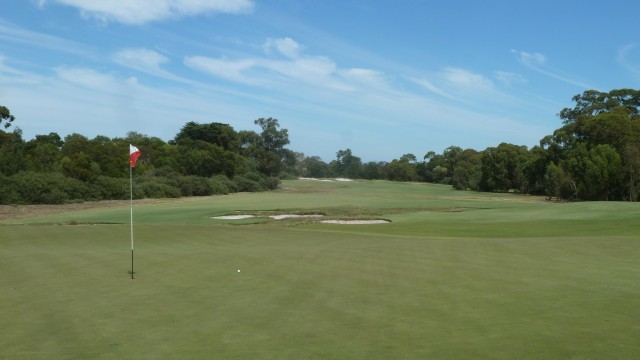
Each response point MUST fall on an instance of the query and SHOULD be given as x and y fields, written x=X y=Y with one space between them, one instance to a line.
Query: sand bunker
x=276 y=217
x=295 y=216
x=355 y=222
x=232 y=217
x=289 y=216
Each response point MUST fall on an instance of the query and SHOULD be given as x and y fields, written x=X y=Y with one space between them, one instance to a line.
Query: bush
x=112 y=188
x=218 y=187
x=244 y=184
x=221 y=182
x=194 y=186
x=157 y=190
x=9 y=193
x=46 y=188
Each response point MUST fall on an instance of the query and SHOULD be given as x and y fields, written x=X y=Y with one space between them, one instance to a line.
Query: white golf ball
x=238 y=270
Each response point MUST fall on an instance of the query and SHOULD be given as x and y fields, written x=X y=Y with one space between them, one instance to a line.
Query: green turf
x=455 y=275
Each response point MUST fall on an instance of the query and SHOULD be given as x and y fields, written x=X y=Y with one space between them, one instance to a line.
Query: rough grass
x=500 y=277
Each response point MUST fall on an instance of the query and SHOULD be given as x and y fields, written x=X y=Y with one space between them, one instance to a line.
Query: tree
x=403 y=169
x=346 y=164
x=534 y=170
x=219 y=134
x=554 y=180
x=502 y=167
x=6 y=117
x=467 y=170
x=12 y=148
x=631 y=161
x=604 y=172
x=267 y=149
x=272 y=139
x=313 y=166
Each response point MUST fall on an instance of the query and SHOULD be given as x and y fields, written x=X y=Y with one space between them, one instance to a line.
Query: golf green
x=453 y=275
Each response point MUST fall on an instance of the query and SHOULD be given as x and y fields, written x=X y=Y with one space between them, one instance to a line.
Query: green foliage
x=346 y=165
x=6 y=117
x=244 y=184
x=12 y=150
x=113 y=188
x=154 y=187
x=218 y=134
x=595 y=155
x=200 y=161
x=47 y=188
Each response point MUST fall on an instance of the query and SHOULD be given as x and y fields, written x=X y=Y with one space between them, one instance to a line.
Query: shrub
x=244 y=184
x=221 y=182
x=194 y=186
x=157 y=189
x=112 y=188
x=9 y=193
x=49 y=188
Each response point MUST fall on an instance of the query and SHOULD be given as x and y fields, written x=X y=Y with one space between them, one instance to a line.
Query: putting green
x=455 y=275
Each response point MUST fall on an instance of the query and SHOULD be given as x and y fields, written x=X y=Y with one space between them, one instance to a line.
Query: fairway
x=453 y=275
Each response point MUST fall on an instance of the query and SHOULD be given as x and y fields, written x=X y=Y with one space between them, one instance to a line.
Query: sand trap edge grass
x=295 y=216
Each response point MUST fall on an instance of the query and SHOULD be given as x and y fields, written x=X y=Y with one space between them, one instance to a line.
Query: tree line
x=595 y=155
x=202 y=159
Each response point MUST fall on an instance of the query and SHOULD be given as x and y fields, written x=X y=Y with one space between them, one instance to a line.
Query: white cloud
x=530 y=59
x=536 y=62
x=318 y=71
x=12 y=33
x=310 y=69
x=135 y=12
x=87 y=78
x=508 y=78
x=464 y=80
x=286 y=46
x=146 y=61
x=623 y=58
x=458 y=84
x=140 y=59
x=371 y=78
x=227 y=69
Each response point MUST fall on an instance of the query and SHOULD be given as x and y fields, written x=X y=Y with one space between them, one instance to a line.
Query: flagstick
x=131 y=189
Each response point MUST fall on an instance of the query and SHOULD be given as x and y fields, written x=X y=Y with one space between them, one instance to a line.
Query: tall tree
x=347 y=164
x=268 y=147
x=6 y=117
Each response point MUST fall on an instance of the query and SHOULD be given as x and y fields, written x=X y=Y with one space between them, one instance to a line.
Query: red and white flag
x=134 y=153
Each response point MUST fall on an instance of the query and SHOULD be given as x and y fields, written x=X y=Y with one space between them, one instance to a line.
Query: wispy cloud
x=536 y=62
x=226 y=69
x=458 y=84
x=466 y=81
x=367 y=77
x=146 y=61
x=285 y=46
x=624 y=54
x=271 y=71
x=508 y=79
x=12 y=33
x=136 y=12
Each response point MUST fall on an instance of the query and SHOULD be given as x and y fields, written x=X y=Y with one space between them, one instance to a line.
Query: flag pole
x=131 y=203
x=133 y=157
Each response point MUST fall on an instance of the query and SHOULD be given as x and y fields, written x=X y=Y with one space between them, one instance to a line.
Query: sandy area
x=355 y=222
x=289 y=216
x=276 y=217
x=233 y=217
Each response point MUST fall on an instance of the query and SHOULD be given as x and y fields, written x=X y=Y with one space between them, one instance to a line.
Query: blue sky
x=383 y=78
